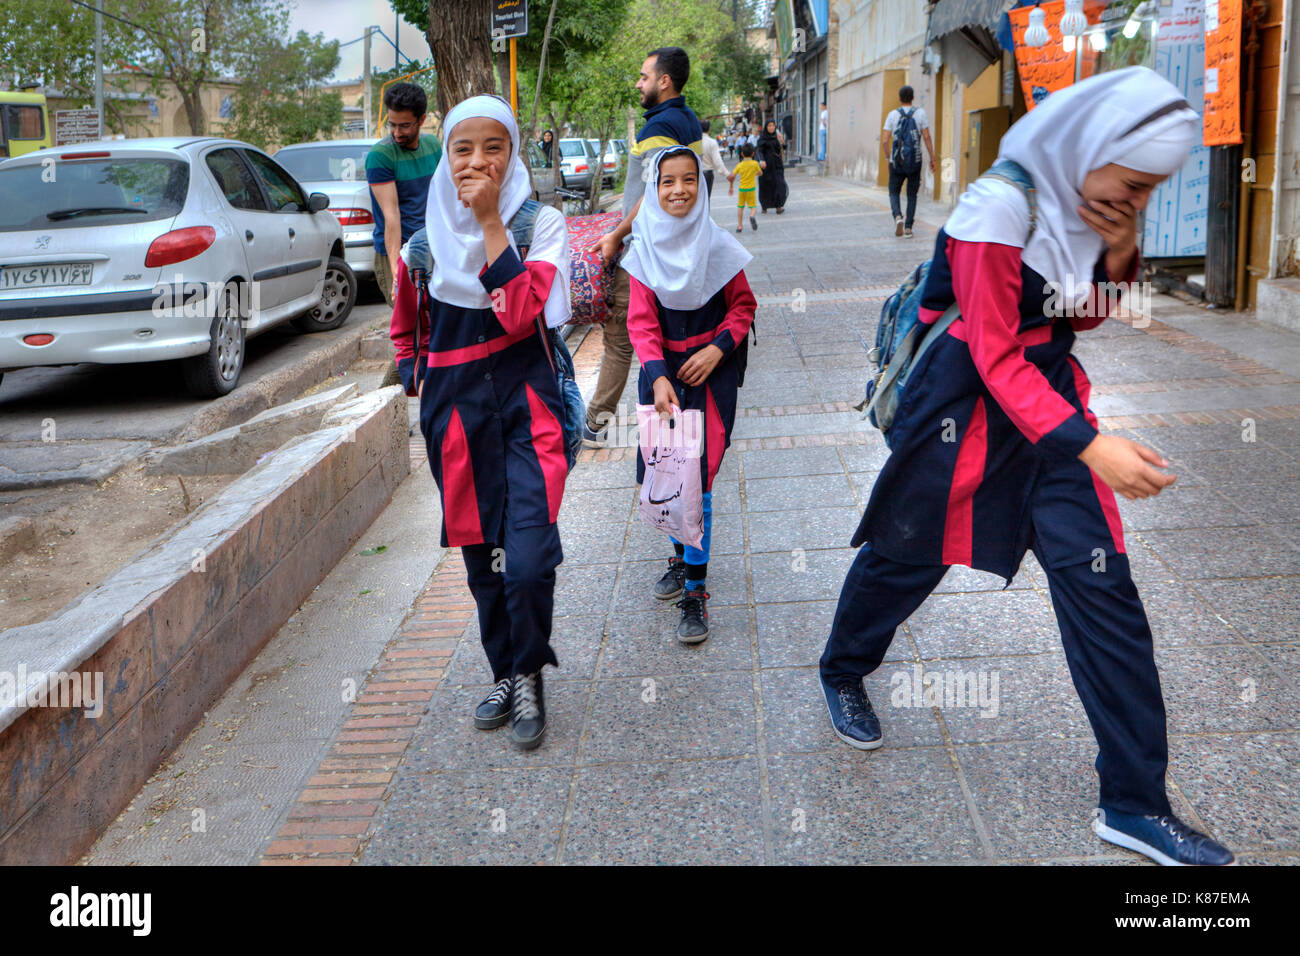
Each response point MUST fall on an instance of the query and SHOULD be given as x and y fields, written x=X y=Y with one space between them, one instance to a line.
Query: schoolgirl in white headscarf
x=690 y=309
x=490 y=406
x=1132 y=118
x=994 y=449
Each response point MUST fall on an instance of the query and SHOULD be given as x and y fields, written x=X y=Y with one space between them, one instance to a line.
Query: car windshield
x=91 y=192
x=572 y=147
x=314 y=164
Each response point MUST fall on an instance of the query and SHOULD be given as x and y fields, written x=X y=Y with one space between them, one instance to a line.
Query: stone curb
x=164 y=636
x=278 y=387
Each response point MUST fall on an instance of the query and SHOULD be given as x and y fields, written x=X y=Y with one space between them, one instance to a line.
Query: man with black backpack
x=905 y=129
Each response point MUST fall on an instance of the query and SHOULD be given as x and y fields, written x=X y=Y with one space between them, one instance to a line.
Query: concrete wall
x=856 y=110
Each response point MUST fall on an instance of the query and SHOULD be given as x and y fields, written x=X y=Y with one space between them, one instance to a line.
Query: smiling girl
x=490 y=408
x=690 y=306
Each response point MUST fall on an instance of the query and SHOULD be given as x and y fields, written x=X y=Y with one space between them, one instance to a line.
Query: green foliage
x=55 y=43
x=427 y=80
x=597 y=46
x=282 y=101
x=183 y=44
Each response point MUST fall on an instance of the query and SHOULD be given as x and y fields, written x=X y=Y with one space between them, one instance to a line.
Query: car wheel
x=336 y=299
x=216 y=372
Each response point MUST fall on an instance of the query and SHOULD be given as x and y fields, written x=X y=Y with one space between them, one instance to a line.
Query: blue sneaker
x=593 y=439
x=1165 y=839
x=852 y=718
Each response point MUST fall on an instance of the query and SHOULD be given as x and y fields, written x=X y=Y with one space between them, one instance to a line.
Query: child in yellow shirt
x=747 y=169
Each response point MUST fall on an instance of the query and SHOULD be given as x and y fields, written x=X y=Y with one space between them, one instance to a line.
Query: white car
x=337 y=168
x=577 y=160
x=155 y=249
x=610 y=161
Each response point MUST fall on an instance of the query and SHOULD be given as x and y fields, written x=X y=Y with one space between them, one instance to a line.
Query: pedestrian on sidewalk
x=994 y=451
x=821 y=134
x=770 y=152
x=691 y=306
x=712 y=156
x=490 y=408
x=398 y=169
x=905 y=129
x=747 y=171
x=668 y=122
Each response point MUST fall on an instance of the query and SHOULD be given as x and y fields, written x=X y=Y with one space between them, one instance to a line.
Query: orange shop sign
x=1222 y=72
x=1050 y=67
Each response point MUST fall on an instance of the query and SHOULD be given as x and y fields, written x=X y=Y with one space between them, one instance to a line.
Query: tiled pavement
x=721 y=753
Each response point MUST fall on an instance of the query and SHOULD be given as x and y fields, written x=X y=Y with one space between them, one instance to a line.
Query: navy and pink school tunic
x=665 y=338
x=996 y=412
x=490 y=409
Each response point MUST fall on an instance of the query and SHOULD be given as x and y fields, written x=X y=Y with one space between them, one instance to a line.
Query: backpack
x=905 y=154
x=420 y=264
x=902 y=338
x=575 y=409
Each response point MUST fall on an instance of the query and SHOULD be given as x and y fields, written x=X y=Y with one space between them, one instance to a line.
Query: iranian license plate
x=39 y=277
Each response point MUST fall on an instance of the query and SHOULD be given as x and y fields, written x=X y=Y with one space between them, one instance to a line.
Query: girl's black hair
x=672 y=151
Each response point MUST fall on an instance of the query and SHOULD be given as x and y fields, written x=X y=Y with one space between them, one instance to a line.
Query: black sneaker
x=852 y=718
x=593 y=439
x=1166 y=839
x=694 y=627
x=495 y=708
x=753 y=220
x=674 y=579
x=528 y=711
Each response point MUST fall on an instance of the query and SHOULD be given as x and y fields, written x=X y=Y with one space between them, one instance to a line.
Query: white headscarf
x=1107 y=118
x=456 y=239
x=685 y=260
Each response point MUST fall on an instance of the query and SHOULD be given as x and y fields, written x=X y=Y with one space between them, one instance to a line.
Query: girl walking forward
x=1030 y=470
x=490 y=409
x=690 y=307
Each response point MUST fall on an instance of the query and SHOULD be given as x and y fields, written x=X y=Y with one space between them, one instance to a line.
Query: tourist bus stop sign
x=509 y=18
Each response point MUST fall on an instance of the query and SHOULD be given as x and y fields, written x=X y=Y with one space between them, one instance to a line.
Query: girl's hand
x=1125 y=466
x=696 y=369
x=665 y=397
x=1114 y=222
x=479 y=192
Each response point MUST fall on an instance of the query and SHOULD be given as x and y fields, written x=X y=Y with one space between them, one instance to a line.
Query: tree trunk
x=459 y=39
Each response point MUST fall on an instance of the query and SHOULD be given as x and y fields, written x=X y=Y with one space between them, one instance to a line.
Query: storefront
x=802 y=28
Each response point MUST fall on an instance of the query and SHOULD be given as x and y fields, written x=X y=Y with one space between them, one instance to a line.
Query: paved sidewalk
x=722 y=753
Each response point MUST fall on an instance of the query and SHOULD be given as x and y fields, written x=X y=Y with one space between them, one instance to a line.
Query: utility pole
x=365 y=81
x=99 y=66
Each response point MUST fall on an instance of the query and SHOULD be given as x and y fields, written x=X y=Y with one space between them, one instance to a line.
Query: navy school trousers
x=1107 y=643
x=513 y=583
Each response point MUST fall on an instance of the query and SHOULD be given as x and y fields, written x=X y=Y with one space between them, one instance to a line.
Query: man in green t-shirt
x=399 y=168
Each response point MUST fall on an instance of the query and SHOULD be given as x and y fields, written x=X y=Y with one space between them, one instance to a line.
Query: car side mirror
x=317 y=201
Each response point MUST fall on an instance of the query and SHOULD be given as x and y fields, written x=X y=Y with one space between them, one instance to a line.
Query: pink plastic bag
x=672 y=498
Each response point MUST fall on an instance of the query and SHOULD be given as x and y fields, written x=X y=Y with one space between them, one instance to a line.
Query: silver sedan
x=337 y=168
x=157 y=249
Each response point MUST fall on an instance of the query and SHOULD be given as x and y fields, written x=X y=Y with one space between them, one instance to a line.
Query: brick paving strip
x=329 y=823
